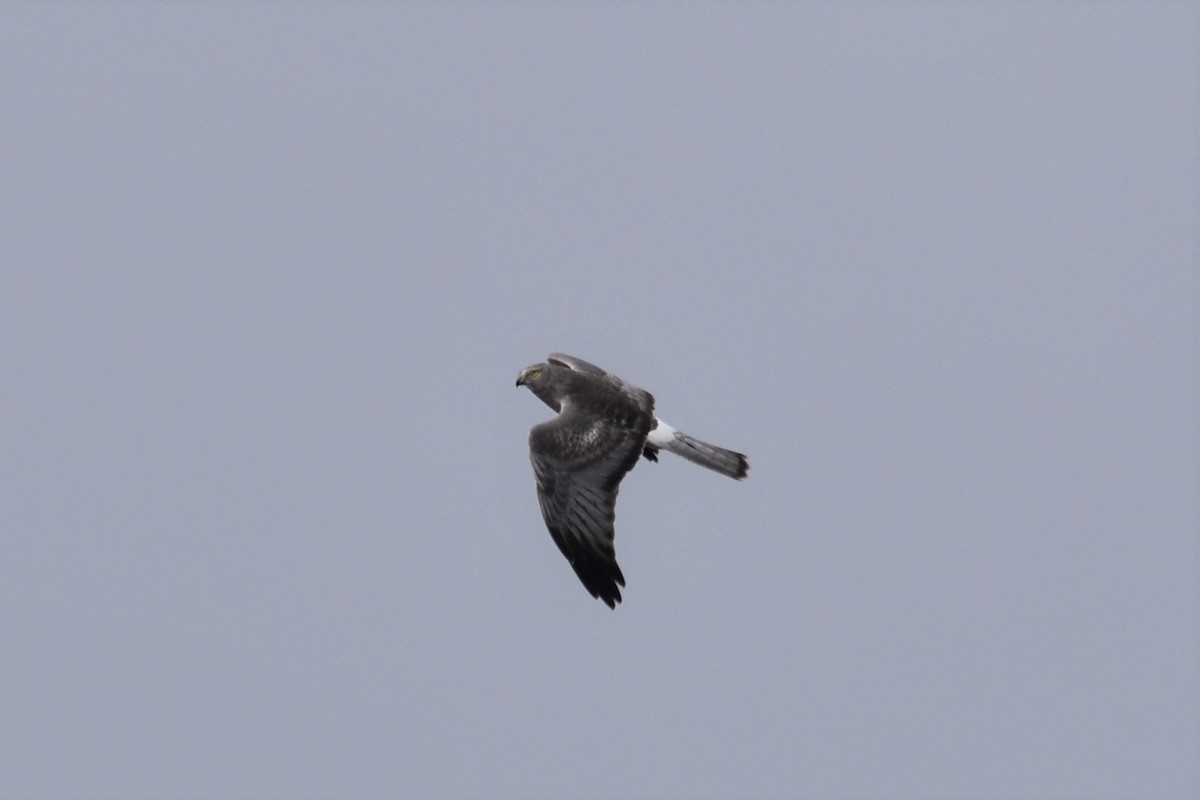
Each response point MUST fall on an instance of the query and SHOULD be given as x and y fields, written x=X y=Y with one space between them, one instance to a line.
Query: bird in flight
x=580 y=457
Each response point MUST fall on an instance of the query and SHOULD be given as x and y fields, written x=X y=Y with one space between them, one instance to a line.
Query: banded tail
x=709 y=456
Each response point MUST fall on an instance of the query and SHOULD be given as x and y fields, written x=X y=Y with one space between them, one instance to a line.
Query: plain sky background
x=268 y=273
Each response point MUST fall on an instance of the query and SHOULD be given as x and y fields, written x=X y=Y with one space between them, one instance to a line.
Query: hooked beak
x=521 y=379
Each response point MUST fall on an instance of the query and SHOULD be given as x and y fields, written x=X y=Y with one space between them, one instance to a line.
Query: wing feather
x=642 y=400
x=577 y=364
x=578 y=463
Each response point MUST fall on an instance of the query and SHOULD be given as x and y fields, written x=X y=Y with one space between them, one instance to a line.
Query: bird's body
x=579 y=458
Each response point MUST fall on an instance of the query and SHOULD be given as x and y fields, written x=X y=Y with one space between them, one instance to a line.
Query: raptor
x=579 y=458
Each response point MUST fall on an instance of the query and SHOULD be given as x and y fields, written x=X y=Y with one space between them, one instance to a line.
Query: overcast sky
x=267 y=276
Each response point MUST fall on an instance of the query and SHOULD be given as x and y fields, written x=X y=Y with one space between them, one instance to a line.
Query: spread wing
x=579 y=462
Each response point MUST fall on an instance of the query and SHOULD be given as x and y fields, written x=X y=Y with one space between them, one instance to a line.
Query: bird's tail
x=718 y=459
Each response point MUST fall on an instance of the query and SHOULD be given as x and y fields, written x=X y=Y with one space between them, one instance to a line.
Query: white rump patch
x=662 y=435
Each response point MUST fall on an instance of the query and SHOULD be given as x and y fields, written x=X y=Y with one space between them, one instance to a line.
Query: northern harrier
x=580 y=457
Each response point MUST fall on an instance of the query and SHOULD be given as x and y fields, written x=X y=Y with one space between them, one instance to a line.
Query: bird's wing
x=578 y=462
x=639 y=397
x=577 y=364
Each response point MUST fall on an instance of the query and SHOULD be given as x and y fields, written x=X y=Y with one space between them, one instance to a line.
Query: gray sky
x=270 y=527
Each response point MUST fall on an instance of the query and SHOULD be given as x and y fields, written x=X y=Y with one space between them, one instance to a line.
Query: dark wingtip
x=610 y=594
x=604 y=586
x=743 y=470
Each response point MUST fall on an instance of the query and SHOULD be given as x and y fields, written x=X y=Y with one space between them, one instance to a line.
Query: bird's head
x=541 y=380
x=531 y=377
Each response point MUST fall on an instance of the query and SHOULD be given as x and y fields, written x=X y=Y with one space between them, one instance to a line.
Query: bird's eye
x=533 y=373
